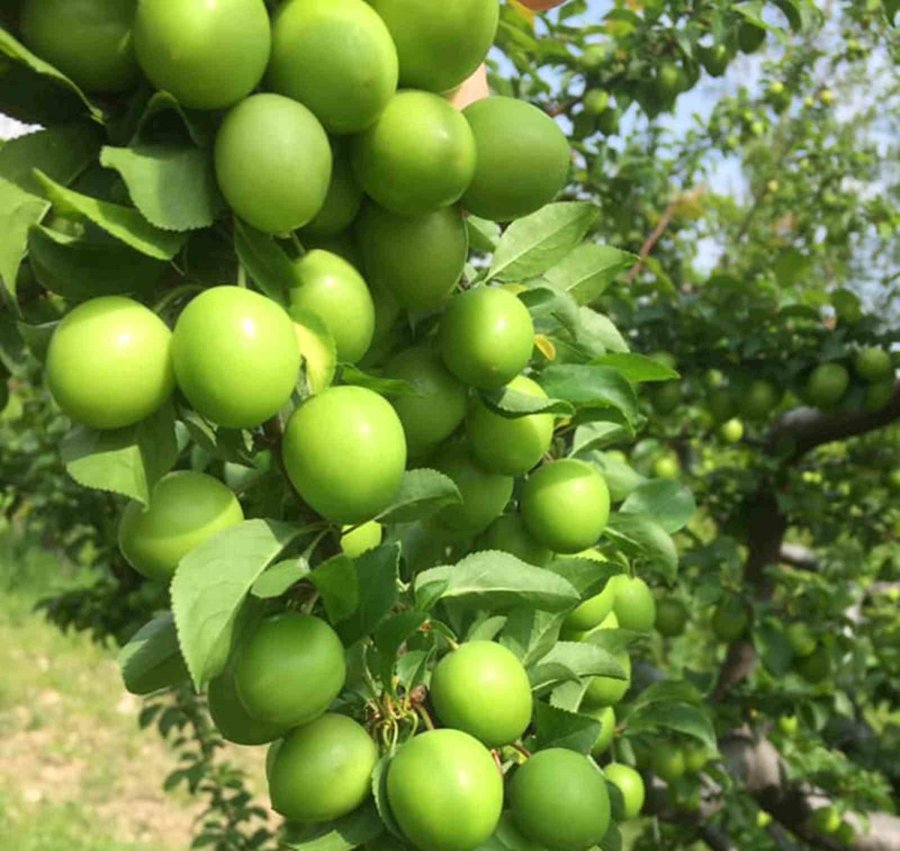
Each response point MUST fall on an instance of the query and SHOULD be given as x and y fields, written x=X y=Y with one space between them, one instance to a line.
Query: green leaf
x=588 y=270
x=636 y=368
x=212 y=582
x=587 y=576
x=532 y=245
x=487 y=627
x=379 y=794
x=612 y=839
x=265 y=261
x=773 y=646
x=155 y=121
x=530 y=633
x=591 y=386
x=337 y=582
x=597 y=435
x=390 y=636
x=345 y=834
x=598 y=334
x=684 y=718
x=550 y=308
x=483 y=234
x=19 y=210
x=642 y=537
x=191 y=198
x=35 y=92
x=557 y=728
x=351 y=374
x=669 y=503
x=124 y=223
x=37 y=337
x=151 y=659
x=80 y=269
x=497 y=581
x=62 y=152
x=376 y=591
x=513 y=404
x=669 y=691
x=574 y=660
x=422 y=493
x=128 y=461
x=279 y=578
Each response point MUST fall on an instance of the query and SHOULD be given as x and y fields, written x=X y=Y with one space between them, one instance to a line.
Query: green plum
x=508 y=534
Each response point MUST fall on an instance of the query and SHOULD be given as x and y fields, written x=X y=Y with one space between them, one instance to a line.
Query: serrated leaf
x=530 y=633
x=558 y=728
x=191 y=198
x=669 y=503
x=496 y=580
x=62 y=152
x=351 y=374
x=279 y=578
x=588 y=270
x=598 y=334
x=336 y=580
x=19 y=210
x=422 y=493
x=81 y=269
x=636 y=368
x=35 y=92
x=574 y=660
x=642 y=537
x=591 y=386
x=773 y=646
x=379 y=794
x=550 y=308
x=513 y=404
x=151 y=660
x=212 y=582
x=128 y=461
x=683 y=718
x=588 y=576
x=265 y=261
x=535 y=243
x=37 y=338
x=123 y=223
x=487 y=627
x=345 y=834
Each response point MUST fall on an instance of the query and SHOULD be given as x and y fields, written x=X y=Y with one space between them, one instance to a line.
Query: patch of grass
x=76 y=772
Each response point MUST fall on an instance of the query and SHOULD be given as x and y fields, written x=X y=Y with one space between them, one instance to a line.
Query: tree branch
x=716 y=838
x=803 y=429
x=799 y=556
x=754 y=762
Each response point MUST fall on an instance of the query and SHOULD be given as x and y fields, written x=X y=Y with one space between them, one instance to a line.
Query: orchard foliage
x=431 y=458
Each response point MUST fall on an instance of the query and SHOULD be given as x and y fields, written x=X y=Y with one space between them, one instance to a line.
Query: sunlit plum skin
x=441 y=44
x=484 y=494
x=88 y=40
x=335 y=57
x=566 y=505
x=608 y=691
x=418 y=259
x=417 y=157
x=345 y=453
x=355 y=541
x=432 y=416
x=635 y=606
x=559 y=800
x=323 y=770
x=522 y=159
x=290 y=669
x=328 y=286
x=486 y=337
x=445 y=791
x=483 y=690
x=630 y=785
x=186 y=508
x=109 y=364
x=236 y=356
x=208 y=55
x=273 y=163
x=505 y=445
